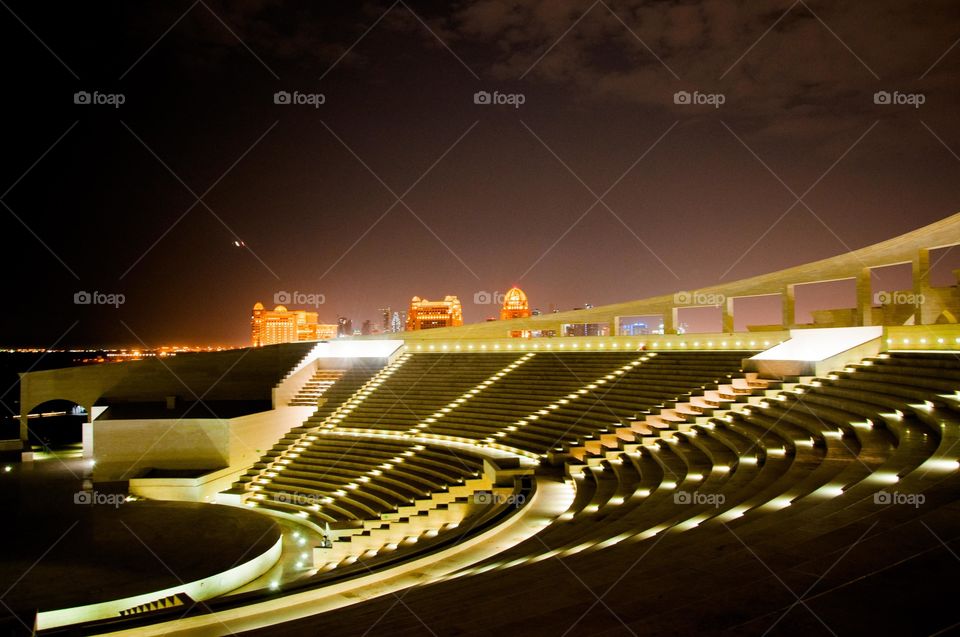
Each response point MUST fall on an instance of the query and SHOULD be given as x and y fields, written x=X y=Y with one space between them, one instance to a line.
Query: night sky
x=103 y=198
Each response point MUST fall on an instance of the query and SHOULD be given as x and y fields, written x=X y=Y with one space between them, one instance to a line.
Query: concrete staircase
x=673 y=417
x=309 y=395
x=171 y=601
x=350 y=387
x=426 y=518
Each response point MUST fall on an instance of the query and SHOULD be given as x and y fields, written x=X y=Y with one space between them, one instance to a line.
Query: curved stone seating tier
x=530 y=402
x=414 y=531
x=335 y=478
x=812 y=484
x=424 y=384
x=608 y=388
x=346 y=386
x=806 y=450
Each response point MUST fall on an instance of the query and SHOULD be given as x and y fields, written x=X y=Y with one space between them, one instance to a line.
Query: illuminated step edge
x=479 y=447
x=472 y=392
x=574 y=395
x=302 y=442
x=408 y=525
x=674 y=342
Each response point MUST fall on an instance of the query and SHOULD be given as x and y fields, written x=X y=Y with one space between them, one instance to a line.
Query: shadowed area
x=110 y=549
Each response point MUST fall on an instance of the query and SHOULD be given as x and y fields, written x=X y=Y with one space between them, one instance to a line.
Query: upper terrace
x=914 y=248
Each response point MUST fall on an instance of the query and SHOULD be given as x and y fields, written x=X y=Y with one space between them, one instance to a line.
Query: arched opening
x=56 y=427
x=827 y=303
x=755 y=313
x=944 y=264
x=639 y=324
x=699 y=320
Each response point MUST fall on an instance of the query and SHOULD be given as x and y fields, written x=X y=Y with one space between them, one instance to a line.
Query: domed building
x=515 y=304
x=425 y=315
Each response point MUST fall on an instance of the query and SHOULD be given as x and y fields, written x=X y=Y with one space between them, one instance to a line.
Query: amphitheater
x=795 y=480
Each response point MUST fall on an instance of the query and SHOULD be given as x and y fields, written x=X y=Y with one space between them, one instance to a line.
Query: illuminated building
x=425 y=315
x=280 y=325
x=344 y=326
x=385 y=315
x=586 y=329
x=397 y=322
x=515 y=305
x=634 y=328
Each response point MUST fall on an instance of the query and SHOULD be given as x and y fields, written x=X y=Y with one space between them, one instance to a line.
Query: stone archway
x=55 y=424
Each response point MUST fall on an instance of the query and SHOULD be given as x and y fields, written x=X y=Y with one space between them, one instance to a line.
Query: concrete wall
x=125 y=448
x=200 y=489
x=248 y=374
x=290 y=385
x=251 y=436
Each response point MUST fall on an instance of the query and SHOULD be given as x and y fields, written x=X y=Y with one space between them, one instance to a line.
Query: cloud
x=815 y=61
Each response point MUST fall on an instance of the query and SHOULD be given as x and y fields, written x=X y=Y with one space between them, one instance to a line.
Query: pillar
x=87 y=438
x=925 y=312
x=789 y=306
x=670 y=321
x=864 y=298
x=726 y=315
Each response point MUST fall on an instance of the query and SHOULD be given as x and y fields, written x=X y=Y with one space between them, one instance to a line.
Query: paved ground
x=62 y=551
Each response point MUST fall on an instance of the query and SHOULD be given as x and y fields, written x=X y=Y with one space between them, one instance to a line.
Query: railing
x=659 y=342
x=922 y=337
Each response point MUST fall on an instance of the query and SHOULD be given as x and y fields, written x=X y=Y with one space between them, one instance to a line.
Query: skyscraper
x=385 y=315
x=397 y=323
x=344 y=326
